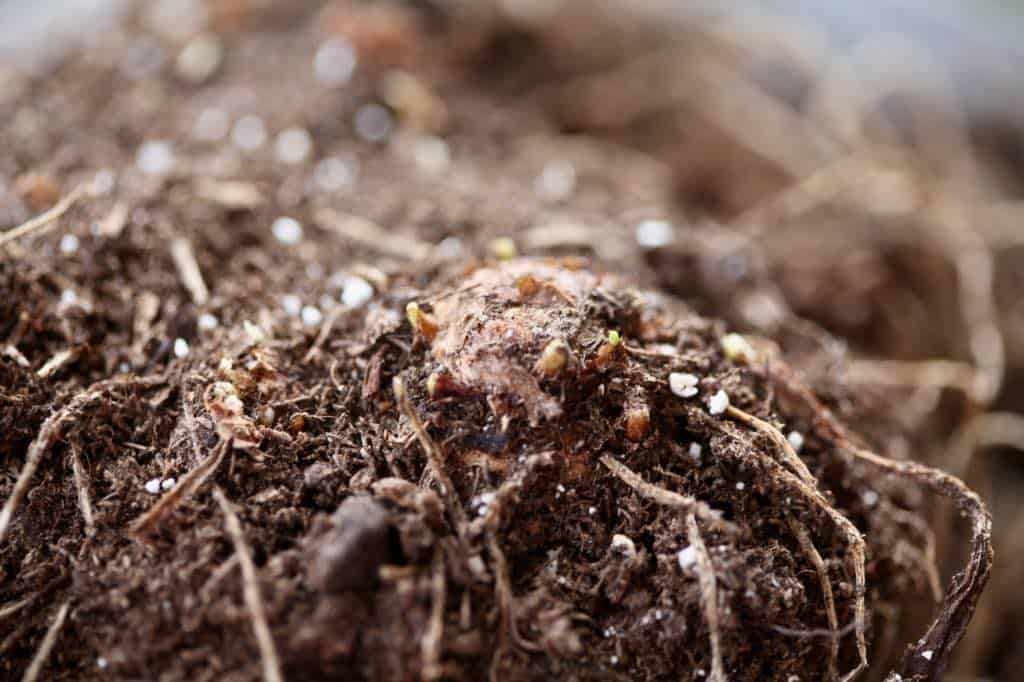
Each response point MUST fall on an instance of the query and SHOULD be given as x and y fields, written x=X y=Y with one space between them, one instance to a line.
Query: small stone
x=293 y=145
x=155 y=157
x=431 y=154
x=870 y=498
x=356 y=291
x=654 y=234
x=199 y=60
x=181 y=348
x=207 y=322
x=291 y=304
x=249 y=133
x=556 y=182
x=167 y=484
x=211 y=125
x=796 y=440
x=687 y=557
x=683 y=384
x=68 y=244
x=102 y=663
x=718 y=403
x=334 y=62
x=927 y=655
x=373 y=123
x=311 y=316
x=254 y=332
x=592 y=510
x=740 y=485
x=334 y=173
x=68 y=297
x=153 y=486
x=287 y=230
x=623 y=545
x=695 y=452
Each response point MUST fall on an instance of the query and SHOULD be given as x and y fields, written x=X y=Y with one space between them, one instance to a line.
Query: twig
x=811 y=552
x=43 y=652
x=83 y=490
x=369 y=235
x=433 y=638
x=781 y=442
x=186 y=486
x=41 y=221
x=435 y=459
x=184 y=258
x=708 y=596
x=56 y=362
x=669 y=498
x=14 y=607
x=251 y=591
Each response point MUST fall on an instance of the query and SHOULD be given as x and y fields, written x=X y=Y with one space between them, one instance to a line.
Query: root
x=926 y=373
x=927 y=657
x=851 y=535
x=251 y=591
x=812 y=554
x=433 y=638
x=83 y=491
x=789 y=455
x=43 y=220
x=43 y=652
x=708 y=597
x=49 y=432
x=435 y=459
x=688 y=504
x=186 y=486
x=983 y=431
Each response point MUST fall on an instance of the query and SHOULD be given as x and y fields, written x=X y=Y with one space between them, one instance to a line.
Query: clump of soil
x=464 y=463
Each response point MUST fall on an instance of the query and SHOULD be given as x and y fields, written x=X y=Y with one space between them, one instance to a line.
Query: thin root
x=433 y=638
x=43 y=220
x=669 y=498
x=708 y=597
x=435 y=458
x=43 y=652
x=781 y=442
x=251 y=591
x=814 y=556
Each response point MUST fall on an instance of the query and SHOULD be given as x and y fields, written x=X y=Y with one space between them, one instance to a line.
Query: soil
x=443 y=430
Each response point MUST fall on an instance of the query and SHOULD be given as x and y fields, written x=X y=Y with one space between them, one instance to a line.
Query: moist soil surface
x=421 y=401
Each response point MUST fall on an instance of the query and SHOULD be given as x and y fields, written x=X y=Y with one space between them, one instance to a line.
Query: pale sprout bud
x=738 y=349
x=554 y=358
x=504 y=248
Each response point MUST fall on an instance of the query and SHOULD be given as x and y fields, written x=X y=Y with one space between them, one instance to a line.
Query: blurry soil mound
x=281 y=397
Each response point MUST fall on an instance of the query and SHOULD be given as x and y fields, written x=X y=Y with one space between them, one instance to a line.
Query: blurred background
x=859 y=165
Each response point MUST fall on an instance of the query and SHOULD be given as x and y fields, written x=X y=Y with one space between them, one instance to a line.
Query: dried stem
x=251 y=591
x=184 y=258
x=708 y=596
x=186 y=486
x=83 y=490
x=43 y=652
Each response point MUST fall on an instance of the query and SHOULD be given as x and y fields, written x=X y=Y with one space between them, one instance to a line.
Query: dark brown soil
x=482 y=470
